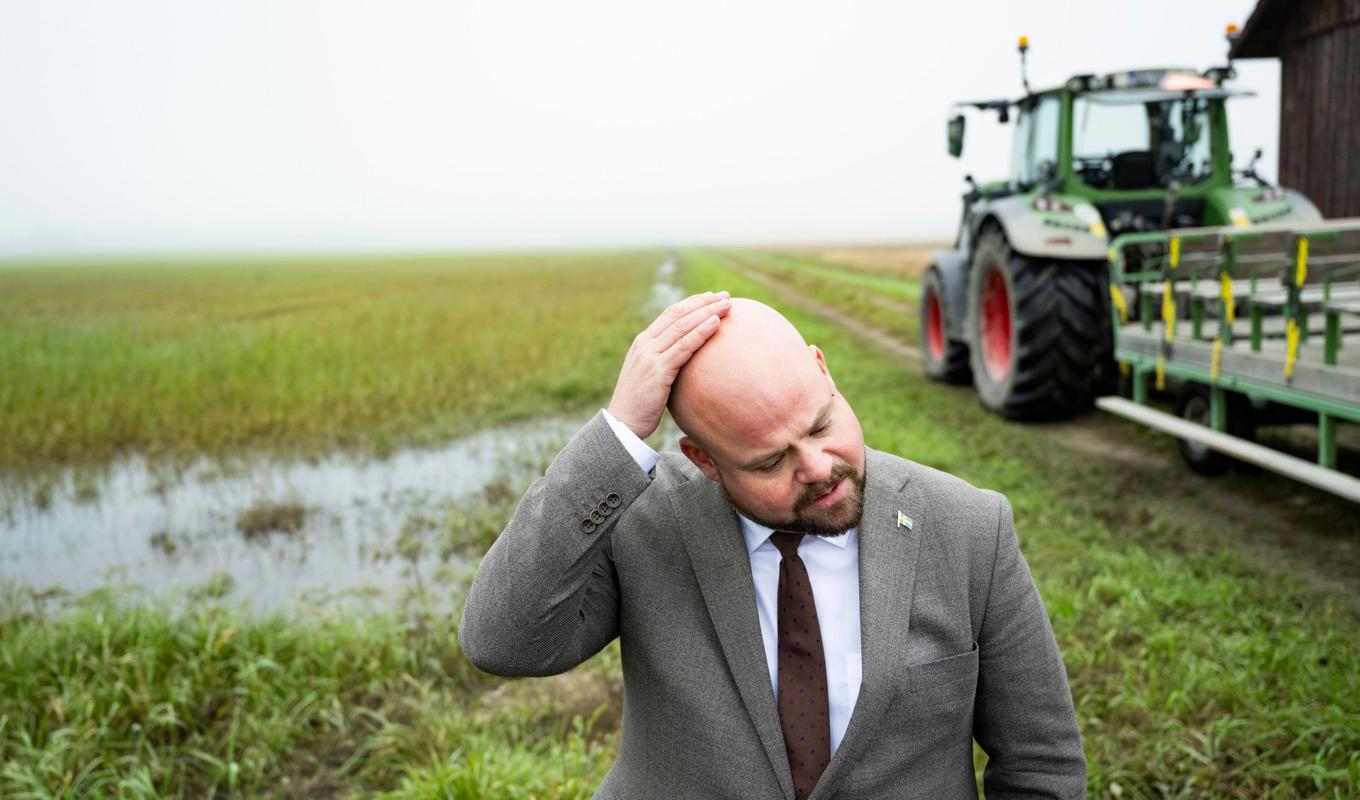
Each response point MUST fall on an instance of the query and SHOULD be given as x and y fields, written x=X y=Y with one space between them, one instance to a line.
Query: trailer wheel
x=1193 y=405
x=1036 y=332
x=945 y=360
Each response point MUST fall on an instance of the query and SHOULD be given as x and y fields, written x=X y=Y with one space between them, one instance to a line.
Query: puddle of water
x=137 y=532
x=665 y=292
x=140 y=533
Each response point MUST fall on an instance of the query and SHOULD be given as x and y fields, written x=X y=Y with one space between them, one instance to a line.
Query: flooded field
x=266 y=533
x=274 y=533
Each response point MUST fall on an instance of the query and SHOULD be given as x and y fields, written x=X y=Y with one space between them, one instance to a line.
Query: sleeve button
x=587 y=527
x=595 y=516
x=613 y=500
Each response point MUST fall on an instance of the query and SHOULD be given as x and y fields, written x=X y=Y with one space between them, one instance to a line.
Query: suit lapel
x=887 y=578
x=712 y=537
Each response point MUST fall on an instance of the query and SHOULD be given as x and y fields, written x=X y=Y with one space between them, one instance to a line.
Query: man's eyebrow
x=823 y=417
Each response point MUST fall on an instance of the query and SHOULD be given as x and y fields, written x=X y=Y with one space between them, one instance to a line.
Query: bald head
x=754 y=364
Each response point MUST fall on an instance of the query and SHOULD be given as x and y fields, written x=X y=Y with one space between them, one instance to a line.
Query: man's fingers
x=672 y=333
x=680 y=352
x=680 y=309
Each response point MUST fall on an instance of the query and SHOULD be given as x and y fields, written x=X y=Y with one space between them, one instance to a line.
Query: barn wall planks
x=1320 y=105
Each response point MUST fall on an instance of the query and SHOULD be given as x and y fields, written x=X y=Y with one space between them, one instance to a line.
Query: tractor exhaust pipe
x=1024 y=72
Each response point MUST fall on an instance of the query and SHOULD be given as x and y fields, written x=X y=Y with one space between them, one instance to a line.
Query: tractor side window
x=1035 y=157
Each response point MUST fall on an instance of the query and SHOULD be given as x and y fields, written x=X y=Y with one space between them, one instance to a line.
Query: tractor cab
x=1146 y=149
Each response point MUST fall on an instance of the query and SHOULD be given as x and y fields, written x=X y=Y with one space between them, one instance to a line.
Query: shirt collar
x=756 y=534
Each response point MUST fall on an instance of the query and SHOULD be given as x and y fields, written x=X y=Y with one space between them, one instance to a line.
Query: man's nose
x=816 y=466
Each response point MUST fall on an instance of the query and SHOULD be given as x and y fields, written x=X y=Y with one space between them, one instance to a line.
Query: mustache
x=812 y=492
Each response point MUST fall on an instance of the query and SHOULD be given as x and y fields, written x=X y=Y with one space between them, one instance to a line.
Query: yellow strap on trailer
x=1302 y=272
x=1117 y=297
x=1291 y=334
x=1173 y=260
x=1161 y=373
x=1229 y=306
x=1169 y=311
x=1216 y=360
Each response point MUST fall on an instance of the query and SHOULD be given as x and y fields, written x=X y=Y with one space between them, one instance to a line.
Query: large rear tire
x=945 y=360
x=1039 y=332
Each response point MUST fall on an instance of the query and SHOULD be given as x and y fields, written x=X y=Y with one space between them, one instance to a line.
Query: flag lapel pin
x=904 y=521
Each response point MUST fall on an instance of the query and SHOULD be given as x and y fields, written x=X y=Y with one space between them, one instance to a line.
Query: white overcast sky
x=245 y=125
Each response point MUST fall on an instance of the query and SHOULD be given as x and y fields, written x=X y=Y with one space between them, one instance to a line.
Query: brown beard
x=826 y=522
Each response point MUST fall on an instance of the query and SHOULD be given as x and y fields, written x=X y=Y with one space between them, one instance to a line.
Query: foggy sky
x=421 y=125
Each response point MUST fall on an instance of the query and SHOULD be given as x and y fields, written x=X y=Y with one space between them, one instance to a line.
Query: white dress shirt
x=833 y=568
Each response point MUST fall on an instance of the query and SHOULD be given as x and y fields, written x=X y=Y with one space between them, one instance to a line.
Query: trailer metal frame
x=1264 y=287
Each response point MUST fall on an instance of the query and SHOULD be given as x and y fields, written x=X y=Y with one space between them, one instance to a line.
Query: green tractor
x=1021 y=305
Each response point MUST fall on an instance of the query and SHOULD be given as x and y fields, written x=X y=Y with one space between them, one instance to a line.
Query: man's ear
x=821 y=363
x=699 y=457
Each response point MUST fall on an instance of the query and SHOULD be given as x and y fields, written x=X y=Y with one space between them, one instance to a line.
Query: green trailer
x=1245 y=327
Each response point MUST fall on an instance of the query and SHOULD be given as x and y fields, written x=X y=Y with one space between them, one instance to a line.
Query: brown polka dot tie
x=803 y=713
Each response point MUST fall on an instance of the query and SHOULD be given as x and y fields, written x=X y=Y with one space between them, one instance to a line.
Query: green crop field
x=1200 y=667
x=299 y=356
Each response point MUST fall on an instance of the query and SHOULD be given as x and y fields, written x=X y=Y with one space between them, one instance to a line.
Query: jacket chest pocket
x=921 y=677
x=937 y=696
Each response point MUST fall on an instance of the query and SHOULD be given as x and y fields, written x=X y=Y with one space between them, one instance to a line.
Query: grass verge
x=143 y=701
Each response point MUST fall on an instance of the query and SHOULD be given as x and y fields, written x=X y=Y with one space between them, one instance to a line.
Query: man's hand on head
x=656 y=356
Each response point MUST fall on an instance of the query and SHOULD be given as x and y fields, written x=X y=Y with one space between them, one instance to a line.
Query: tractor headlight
x=1086 y=213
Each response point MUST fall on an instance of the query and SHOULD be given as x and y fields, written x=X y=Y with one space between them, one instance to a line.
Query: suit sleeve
x=545 y=597
x=1024 y=718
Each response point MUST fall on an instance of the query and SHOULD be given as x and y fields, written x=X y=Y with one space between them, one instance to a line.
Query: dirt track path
x=1273 y=522
x=784 y=292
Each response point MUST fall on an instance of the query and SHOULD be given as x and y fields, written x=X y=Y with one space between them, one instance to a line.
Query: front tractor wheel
x=1037 y=332
x=945 y=360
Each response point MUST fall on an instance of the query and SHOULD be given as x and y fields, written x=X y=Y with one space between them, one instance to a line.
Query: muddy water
x=137 y=531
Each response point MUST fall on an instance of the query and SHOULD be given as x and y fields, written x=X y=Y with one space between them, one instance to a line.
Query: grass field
x=1197 y=672
x=300 y=356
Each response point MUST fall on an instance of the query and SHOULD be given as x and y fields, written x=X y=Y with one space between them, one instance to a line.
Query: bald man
x=800 y=616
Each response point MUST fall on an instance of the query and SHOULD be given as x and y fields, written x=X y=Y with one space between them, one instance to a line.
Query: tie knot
x=786 y=542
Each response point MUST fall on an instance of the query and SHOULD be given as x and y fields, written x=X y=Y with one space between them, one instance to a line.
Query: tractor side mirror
x=956 y=135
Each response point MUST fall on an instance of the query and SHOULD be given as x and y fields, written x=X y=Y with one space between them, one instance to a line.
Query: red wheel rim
x=996 y=325
x=934 y=327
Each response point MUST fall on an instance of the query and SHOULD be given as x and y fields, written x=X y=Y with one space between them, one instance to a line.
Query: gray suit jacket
x=956 y=642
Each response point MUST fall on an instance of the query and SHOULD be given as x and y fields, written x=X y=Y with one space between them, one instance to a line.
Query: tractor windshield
x=1140 y=145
